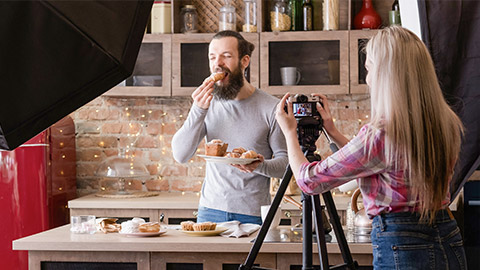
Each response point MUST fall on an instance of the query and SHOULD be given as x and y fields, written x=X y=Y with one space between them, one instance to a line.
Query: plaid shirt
x=384 y=189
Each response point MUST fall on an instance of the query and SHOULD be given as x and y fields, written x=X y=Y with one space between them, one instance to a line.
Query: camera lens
x=302 y=98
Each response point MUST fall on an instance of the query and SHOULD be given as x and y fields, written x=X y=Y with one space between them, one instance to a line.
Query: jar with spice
x=161 y=17
x=250 y=24
x=280 y=19
x=189 y=19
x=228 y=17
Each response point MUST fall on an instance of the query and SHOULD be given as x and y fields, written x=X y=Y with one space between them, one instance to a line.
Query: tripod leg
x=252 y=255
x=307 y=253
x=339 y=234
x=321 y=242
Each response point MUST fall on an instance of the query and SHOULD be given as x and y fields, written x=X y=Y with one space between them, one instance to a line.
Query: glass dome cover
x=122 y=166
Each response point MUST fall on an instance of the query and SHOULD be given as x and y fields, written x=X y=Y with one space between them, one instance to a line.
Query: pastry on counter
x=149 y=227
x=187 y=225
x=204 y=226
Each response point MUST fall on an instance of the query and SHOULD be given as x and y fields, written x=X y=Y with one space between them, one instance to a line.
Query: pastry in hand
x=232 y=155
x=239 y=150
x=217 y=76
x=249 y=154
x=150 y=227
x=216 y=148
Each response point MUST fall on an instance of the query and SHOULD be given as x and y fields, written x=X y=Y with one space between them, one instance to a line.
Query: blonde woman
x=404 y=157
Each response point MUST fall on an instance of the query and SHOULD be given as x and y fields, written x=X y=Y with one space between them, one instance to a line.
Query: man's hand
x=202 y=96
x=248 y=168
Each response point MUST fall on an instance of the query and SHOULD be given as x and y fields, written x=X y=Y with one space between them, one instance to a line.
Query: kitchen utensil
x=362 y=223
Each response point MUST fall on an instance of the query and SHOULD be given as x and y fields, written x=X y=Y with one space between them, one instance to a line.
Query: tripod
x=310 y=203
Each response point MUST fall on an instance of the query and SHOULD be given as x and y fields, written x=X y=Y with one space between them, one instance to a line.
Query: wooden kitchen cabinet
x=329 y=60
x=152 y=72
x=320 y=56
x=358 y=73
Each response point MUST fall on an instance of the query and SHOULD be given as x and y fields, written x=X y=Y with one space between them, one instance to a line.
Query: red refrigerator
x=37 y=179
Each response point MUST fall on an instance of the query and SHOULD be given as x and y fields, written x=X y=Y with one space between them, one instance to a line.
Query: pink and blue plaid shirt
x=384 y=189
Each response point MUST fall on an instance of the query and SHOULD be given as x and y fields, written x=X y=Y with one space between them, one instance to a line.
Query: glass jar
x=227 y=18
x=250 y=24
x=189 y=19
x=330 y=15
x=280 y=19
x=307 y=15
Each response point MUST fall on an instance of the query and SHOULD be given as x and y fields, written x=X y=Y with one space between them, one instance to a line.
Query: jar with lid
x=161 y=17
x=280 y=19
x=189 y=19
x=227 y=17
x=330 y=15
x=250 y=24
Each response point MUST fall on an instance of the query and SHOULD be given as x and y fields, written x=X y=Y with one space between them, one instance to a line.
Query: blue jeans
x=400 y=242
x=213 y=215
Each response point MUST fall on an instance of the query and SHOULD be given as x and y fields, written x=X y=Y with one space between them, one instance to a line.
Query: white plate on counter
x=228 y=160
x=217 y=231
x=144 y=234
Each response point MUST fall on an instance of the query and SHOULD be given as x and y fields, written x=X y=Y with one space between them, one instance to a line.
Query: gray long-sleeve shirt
x=248 y=123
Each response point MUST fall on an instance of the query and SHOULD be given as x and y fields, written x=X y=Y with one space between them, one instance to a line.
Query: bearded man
x=241 y=115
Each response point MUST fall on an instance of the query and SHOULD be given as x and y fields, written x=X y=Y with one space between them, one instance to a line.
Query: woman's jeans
x=400 y=242
x=213 y=215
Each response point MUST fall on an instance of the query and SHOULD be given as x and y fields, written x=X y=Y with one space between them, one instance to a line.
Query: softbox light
x=56 y=56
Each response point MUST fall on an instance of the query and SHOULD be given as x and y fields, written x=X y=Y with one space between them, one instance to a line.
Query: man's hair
x=244 y=47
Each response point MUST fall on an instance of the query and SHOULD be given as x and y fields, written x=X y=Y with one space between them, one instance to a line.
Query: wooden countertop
x=61 y=239
x=167 y=200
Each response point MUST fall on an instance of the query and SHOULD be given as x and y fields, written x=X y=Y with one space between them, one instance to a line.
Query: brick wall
x=144 y=127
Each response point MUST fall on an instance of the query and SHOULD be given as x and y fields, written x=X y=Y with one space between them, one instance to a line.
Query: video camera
x=309 y=121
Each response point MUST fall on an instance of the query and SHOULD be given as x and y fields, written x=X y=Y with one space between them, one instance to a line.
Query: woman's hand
x=325 y=114
x=286 y=120
x=202 y=96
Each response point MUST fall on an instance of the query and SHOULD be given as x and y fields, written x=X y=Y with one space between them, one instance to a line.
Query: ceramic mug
x=290 y=75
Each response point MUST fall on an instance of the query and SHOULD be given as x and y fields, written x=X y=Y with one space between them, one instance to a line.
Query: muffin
x=216 y=148
x=204 y=226
x=187 y=225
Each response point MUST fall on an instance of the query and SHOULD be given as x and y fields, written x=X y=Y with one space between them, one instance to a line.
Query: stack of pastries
x=218 y=148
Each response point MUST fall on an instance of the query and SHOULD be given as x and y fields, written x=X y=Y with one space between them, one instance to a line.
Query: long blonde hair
x=423 y=135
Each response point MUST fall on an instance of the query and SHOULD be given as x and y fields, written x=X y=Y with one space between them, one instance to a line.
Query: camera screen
x=302 y=109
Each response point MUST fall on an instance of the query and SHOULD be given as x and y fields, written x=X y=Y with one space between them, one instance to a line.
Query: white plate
x=144 y=234
x=227 y=160
x=217 y=231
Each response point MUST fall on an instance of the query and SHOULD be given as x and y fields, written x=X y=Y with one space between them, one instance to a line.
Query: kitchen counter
x=58 y=245
x=171 y=208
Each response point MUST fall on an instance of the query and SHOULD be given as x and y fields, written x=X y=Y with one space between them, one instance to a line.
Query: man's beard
x=231 y=90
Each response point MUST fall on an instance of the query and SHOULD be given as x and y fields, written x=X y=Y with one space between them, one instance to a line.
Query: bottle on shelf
x=307 y=15
x=280 y=17
x=367 y=18
x=330 y=15
x=161 y=17
x=295 y=7
x=189 y=19
x=250 y=23
x=394 y=14
x=227 y=17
